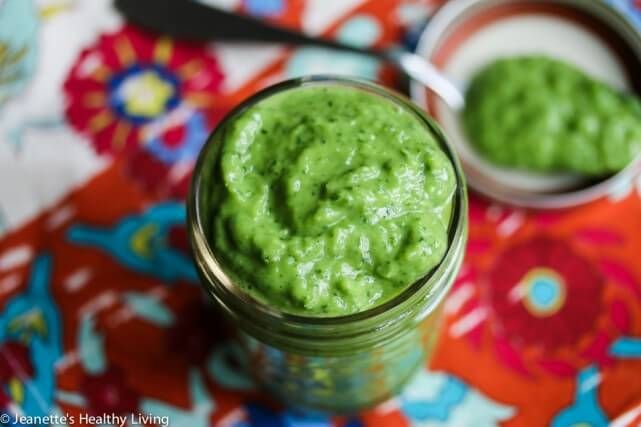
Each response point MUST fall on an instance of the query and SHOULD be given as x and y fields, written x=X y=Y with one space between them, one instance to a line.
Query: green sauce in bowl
x=541 y=114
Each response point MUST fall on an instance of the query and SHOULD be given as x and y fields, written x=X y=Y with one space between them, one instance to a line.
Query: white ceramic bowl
x=466 y=35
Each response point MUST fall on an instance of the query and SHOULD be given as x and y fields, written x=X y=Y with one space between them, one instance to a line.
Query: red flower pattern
x=544 y=293
x=149 y=98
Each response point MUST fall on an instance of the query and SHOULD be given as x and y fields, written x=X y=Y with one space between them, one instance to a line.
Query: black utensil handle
x=188 y=19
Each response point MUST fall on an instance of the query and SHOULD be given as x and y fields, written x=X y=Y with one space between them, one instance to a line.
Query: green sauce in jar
x=541 y=114
x=330 y=200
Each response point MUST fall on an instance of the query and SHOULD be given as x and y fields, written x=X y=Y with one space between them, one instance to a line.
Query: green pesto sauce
x=329 y=200
x=544 y=115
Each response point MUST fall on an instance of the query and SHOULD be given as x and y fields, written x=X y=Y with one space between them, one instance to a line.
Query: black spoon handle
x=188 y=19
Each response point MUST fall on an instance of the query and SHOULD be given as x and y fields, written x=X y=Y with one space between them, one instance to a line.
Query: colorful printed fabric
x=100 y=307
x=147 y=97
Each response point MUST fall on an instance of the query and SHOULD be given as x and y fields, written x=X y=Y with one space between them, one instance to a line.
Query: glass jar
x=337 y=364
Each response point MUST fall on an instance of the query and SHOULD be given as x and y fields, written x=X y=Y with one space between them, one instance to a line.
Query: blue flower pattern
x=33 y=318
x=196 y=132
x=585 y=410
x=261 y=416
x=626 y=348
x=440 y=399
x=139 y=242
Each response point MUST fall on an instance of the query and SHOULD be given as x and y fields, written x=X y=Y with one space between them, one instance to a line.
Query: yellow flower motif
x=545 y=291
x=9 y=59
x=49 y=8
x=27 y=324
x=141 y=241
x=146 y=94
x=16 y=390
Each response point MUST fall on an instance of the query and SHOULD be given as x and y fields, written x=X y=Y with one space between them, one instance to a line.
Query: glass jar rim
x=226 y=292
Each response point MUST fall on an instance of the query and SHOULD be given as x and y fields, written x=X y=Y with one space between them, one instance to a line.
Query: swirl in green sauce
x=542 y=114
x=329 y=200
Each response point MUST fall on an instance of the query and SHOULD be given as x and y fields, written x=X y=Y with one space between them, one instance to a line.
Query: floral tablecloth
x=100 y=310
